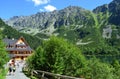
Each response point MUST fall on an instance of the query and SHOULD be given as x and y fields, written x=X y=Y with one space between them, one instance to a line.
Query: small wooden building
x=18 y=49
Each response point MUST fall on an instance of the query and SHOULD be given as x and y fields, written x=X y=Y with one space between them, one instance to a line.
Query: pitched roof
x=12 y=42
x=9 y=41
x=22 y=38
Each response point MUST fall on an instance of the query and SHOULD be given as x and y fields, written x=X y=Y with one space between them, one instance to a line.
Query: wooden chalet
x=18 y=49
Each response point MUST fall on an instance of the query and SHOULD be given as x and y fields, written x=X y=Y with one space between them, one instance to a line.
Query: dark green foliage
x=3 y=57
x=67 y=33
x=10 y=33
x=4 y=54
x=58 y=56
x=3 y=73
x=82 y=32
x=98 y=70
x=40 y=35
x=116 y=71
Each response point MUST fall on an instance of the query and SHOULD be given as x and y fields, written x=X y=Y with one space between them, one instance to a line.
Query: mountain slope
x=71 y=15
x=95 y=32
x=10 y=33
x=114 y=10
x=109 y=16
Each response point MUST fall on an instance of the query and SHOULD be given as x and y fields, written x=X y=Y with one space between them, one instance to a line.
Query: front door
x=22 y=58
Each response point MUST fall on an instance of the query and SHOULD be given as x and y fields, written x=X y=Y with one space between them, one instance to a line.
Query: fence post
x=43 y=74
x=32 y=72
x=58 y=77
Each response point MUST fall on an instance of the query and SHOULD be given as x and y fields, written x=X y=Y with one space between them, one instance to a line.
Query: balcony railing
x=13 y=55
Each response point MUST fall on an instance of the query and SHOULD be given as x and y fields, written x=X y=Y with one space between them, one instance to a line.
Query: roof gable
x=9 y=41
x=17 y=45
x=21 y=41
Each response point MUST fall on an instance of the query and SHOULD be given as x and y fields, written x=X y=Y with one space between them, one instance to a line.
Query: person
x=17 y=64
x=10 y=68
x=14 y=69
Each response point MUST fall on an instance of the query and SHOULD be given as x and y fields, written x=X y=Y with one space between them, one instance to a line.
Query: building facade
x=18 y=49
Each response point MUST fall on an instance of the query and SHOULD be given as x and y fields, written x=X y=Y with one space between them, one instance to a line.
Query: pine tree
x=3 y=54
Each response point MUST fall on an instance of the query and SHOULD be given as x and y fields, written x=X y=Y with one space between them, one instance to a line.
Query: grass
x=3 y=73
x=28 y=74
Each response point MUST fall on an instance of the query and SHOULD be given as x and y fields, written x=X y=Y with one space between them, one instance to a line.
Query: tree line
x=58 y=56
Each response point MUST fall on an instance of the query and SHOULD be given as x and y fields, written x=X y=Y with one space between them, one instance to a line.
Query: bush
x=58 y=56
x=98 y=70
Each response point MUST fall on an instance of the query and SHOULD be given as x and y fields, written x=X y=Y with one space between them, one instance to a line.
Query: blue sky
x=12 y=8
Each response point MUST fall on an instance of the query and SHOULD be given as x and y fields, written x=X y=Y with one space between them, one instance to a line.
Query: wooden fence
x=57 y=76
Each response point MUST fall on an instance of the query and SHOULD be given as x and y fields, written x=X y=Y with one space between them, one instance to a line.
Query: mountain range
x=93 y=29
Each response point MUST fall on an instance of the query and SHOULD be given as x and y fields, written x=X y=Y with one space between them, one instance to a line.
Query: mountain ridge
x=97 y=29
x=64 y=17
x=113 y=8
x=72 y=21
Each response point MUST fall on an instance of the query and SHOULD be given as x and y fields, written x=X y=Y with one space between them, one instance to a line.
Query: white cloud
x=41 y=10
x=39 y=2
x=50 y=8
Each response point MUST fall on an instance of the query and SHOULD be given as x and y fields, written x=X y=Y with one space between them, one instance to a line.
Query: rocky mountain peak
x=112 y=8
x=65 y=17
x=116 y=0
x=102 y=8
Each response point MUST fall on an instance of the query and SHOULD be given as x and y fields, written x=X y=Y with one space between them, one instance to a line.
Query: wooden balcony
x=14 y=55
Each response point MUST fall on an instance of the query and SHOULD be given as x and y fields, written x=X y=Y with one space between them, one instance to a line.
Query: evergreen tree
x=3 y=53
x=3 y=56
x=98 y=70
